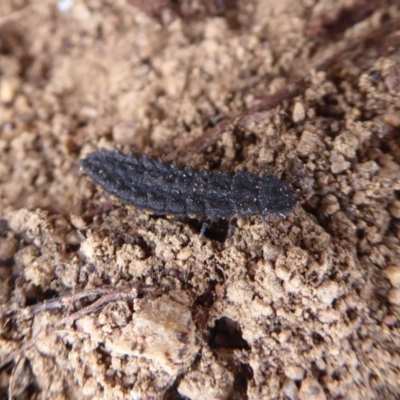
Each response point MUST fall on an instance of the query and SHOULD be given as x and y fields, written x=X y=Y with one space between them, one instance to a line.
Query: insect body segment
x=166 y=189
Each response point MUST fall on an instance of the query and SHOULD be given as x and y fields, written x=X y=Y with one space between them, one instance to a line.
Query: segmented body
x=167 y=189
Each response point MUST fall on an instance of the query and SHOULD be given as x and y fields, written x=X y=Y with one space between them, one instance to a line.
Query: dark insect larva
x=167 y=189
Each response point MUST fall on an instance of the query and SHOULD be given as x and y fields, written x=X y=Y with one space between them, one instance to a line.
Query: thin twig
x=119 y=293
x=63 y=301
x=291 y=90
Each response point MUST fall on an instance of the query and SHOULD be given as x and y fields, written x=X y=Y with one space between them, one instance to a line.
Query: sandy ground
x=101 y=301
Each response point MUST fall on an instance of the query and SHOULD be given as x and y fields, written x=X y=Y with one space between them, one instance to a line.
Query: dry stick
x=337 y=20
x=357 y=42
x=118 y=293
x=67 y=300
x=268 y=103
x=272 y=101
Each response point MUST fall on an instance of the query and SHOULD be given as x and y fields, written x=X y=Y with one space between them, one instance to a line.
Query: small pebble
x=393 y=274
x=330 y=205
x=290 y=390
x=338 y=163
x=327 y=292
x=390 y=320
x=294 y=372
x=89 y=112
x=8 y=90
x=129 y=133
x=90 y=387
x=328 y=316
x=394 y=297
x=346 y=143
x=77 y=221
x=184 y=254
x=298 y=112
x=394 y=209
x=359 y=198
x=392 y=78
x=311 y=390
x=309 y=144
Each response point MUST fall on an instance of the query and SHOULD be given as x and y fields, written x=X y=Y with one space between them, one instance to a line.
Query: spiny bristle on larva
x=189 y=170
x=175 y=166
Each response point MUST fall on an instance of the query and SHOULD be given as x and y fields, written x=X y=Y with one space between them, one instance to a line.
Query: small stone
x=394 y=297
x=320 y=364
x=327 y=292
x=22 y=107
x=129 y=133
x=211 y=382
x=328 y=316
x=261 y=308
x=138 y=252
x=393 y=274
x=299 y=113
x=294 y=372
x=77 y=221
x=290 y=390
x=311 y=390
x=184 y=254
x=88 y=112
x=359 y=198
x=309 y=144
x=390 y=320
x=8 y=246
x=162 y=331
x=90 y=387
x=8 y=90
x=346 y=144
x=330 y=205
x=284 y=336
x=391 y=74
x=338 y=163
x=149 y=281
x=391 y=118
x=394 y=209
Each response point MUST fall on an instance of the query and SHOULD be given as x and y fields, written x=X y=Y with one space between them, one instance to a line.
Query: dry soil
x=101 y=301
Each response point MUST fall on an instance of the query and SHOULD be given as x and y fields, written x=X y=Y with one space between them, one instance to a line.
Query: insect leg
x=204 y=227
x=232 y=226
x=264 y=220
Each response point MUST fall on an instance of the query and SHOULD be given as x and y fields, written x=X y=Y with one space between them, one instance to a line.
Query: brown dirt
x=101 y=301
